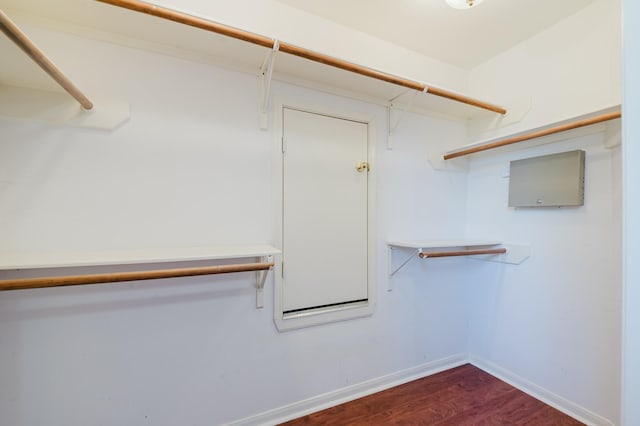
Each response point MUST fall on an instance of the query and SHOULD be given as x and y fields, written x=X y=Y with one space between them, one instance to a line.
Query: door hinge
x=284 y=145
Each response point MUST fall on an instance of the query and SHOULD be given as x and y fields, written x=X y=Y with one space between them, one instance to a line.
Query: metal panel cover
x=548 y=181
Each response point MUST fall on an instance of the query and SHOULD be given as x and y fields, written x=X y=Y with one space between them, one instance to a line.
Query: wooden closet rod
x=218 y=28
x=23 y=42
x=537 y=134
x=425 y=254
x=30 y=283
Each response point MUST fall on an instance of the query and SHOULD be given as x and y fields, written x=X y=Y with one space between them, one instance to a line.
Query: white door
x=324 y=211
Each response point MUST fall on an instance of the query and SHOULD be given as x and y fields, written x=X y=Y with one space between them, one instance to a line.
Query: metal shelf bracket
x=266 y=74
x=393 y=126
x=261 y=278
x=414 y=255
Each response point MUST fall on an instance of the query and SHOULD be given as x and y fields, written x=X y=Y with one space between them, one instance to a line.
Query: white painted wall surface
x=553 y=321
x=192 y=168
x=570 y=69
x=631 y=180
x=162 y=179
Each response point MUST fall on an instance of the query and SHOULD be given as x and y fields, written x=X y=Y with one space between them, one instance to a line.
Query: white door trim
x=331 y=314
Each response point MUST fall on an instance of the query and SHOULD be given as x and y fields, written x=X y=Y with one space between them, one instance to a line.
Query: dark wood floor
x=464 y=395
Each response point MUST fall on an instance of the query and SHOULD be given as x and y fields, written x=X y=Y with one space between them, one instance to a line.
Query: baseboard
x=349 y=393
x=320 y=402
x=538 y=392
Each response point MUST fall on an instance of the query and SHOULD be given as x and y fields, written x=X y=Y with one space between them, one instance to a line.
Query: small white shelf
x=27 y=260
x=433 y=244
x=515 y=254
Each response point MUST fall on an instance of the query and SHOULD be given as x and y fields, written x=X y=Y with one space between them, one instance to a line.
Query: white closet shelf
x=118 y=25
x=557 y=131
x=69 y=259
x=433 y=244
x=38 y=260
x=490 y=250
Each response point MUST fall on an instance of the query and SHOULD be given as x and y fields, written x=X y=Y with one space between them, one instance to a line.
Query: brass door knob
x=362 y=166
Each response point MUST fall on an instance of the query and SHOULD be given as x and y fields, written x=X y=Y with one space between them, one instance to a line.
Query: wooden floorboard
x=460 y=396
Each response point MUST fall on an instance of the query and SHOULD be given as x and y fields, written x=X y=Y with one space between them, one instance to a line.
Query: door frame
x=331 y=314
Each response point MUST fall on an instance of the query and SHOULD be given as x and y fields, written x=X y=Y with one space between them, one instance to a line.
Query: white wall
x=570 y=69
x=159 y=180
x=631 y=177
x=191 y=168
x=554 y=321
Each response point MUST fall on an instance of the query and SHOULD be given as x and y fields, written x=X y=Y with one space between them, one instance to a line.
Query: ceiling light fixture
x=463 y=4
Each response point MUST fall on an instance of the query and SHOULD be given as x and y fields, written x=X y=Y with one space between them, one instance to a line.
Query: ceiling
x=464 y=38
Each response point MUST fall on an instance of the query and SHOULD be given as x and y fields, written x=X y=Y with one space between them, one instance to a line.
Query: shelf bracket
x=261 y=278
x=266 y=74
x=393 y=126
x=393 y=271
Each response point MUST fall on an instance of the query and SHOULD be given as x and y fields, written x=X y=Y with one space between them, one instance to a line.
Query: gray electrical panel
x=549 y=181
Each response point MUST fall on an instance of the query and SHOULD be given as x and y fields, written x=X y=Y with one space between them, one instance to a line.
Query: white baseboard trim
x=538 y=392
x=349 y=393
x=330 y=399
